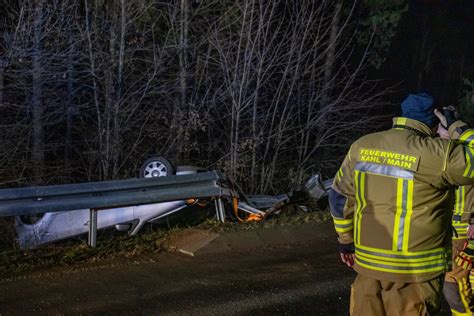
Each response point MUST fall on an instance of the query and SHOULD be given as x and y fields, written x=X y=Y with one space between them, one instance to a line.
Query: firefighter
x=463 y=210
x=458 y=285
x=389 y=205
x=457 y=289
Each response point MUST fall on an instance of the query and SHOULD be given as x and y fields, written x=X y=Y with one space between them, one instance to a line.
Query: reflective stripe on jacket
x=464 y=197
x=396 y=210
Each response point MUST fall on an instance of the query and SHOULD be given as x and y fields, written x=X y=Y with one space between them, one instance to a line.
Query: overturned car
x=37 y=229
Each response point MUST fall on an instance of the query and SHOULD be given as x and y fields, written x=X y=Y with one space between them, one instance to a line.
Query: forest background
x=268 y=91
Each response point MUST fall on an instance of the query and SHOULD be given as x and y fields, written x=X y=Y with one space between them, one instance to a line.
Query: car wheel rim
x=155 y=169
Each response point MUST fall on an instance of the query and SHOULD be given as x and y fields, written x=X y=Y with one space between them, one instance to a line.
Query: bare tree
x=36 y=94
x=268 y=91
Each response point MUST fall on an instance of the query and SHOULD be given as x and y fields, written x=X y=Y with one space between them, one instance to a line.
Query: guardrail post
x=216 y=206
x=220 y=210
x=93 y=228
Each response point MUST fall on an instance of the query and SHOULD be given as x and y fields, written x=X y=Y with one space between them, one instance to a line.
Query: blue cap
x=420 y=107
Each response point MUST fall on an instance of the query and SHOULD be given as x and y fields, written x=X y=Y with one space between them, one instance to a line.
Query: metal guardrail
x=97 y=196
x=109 y=194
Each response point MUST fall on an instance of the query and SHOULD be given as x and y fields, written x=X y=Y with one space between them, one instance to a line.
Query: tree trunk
x=183 y=61
x=330 y=56
x=38 y=138
x=93 y=73
x=183 y=77
x=70 y=106
x=2 y=81
x=117 y=136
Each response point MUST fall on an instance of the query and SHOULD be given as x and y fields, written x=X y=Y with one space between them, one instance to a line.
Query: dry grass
x=75 y=252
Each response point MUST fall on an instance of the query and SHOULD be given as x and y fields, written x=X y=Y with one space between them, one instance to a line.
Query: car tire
x=156 y=167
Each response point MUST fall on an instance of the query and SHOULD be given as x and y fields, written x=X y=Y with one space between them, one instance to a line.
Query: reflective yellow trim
x=409 y=211
x=465 y=137
x=407 y=253
x=468 y=171
x=338 y=178
x=463 y=293
x=456 y=313
x=356 y=214
x=460 y=200
x=440 y=268
x=362 y=194
x=400 y=121
x=461 y=231
x=361 y=202
x=343 y=225
x=398 y=214
x=400 y=260
x=343 y=221
x=344 y=230
x=406 y=263
x=359 y=190
x=339 y=175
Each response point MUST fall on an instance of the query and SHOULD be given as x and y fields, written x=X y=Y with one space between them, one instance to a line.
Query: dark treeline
x=268 y=91
x=433 y=50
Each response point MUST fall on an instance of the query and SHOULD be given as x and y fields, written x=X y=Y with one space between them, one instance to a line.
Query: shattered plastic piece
x=317 y=188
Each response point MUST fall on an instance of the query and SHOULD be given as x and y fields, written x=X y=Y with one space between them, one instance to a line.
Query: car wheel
x=156 y=167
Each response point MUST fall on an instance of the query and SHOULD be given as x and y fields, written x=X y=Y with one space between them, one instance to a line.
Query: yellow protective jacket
x=463 y=208
x=464 y=198
x=391 y=197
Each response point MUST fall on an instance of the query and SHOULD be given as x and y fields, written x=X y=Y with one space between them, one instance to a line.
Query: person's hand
x=346 y=251
x=442 y=132
x=442 y=119
x=470 y=231
x=443 y=125
x=348 y=259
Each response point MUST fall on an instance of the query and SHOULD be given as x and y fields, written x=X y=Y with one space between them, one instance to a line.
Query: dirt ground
x=281 y=278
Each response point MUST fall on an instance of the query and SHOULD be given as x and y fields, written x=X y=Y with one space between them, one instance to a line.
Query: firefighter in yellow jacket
x=389 y=204
x=457 y=287
x=463 y=209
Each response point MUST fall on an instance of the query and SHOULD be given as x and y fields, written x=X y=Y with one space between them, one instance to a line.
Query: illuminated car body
x=33 y=231
x=60 y=225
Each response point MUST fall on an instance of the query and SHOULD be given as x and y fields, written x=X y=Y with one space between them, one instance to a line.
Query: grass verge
x=75 y=252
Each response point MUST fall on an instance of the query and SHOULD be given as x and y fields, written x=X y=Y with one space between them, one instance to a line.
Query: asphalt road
x=293 y=279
